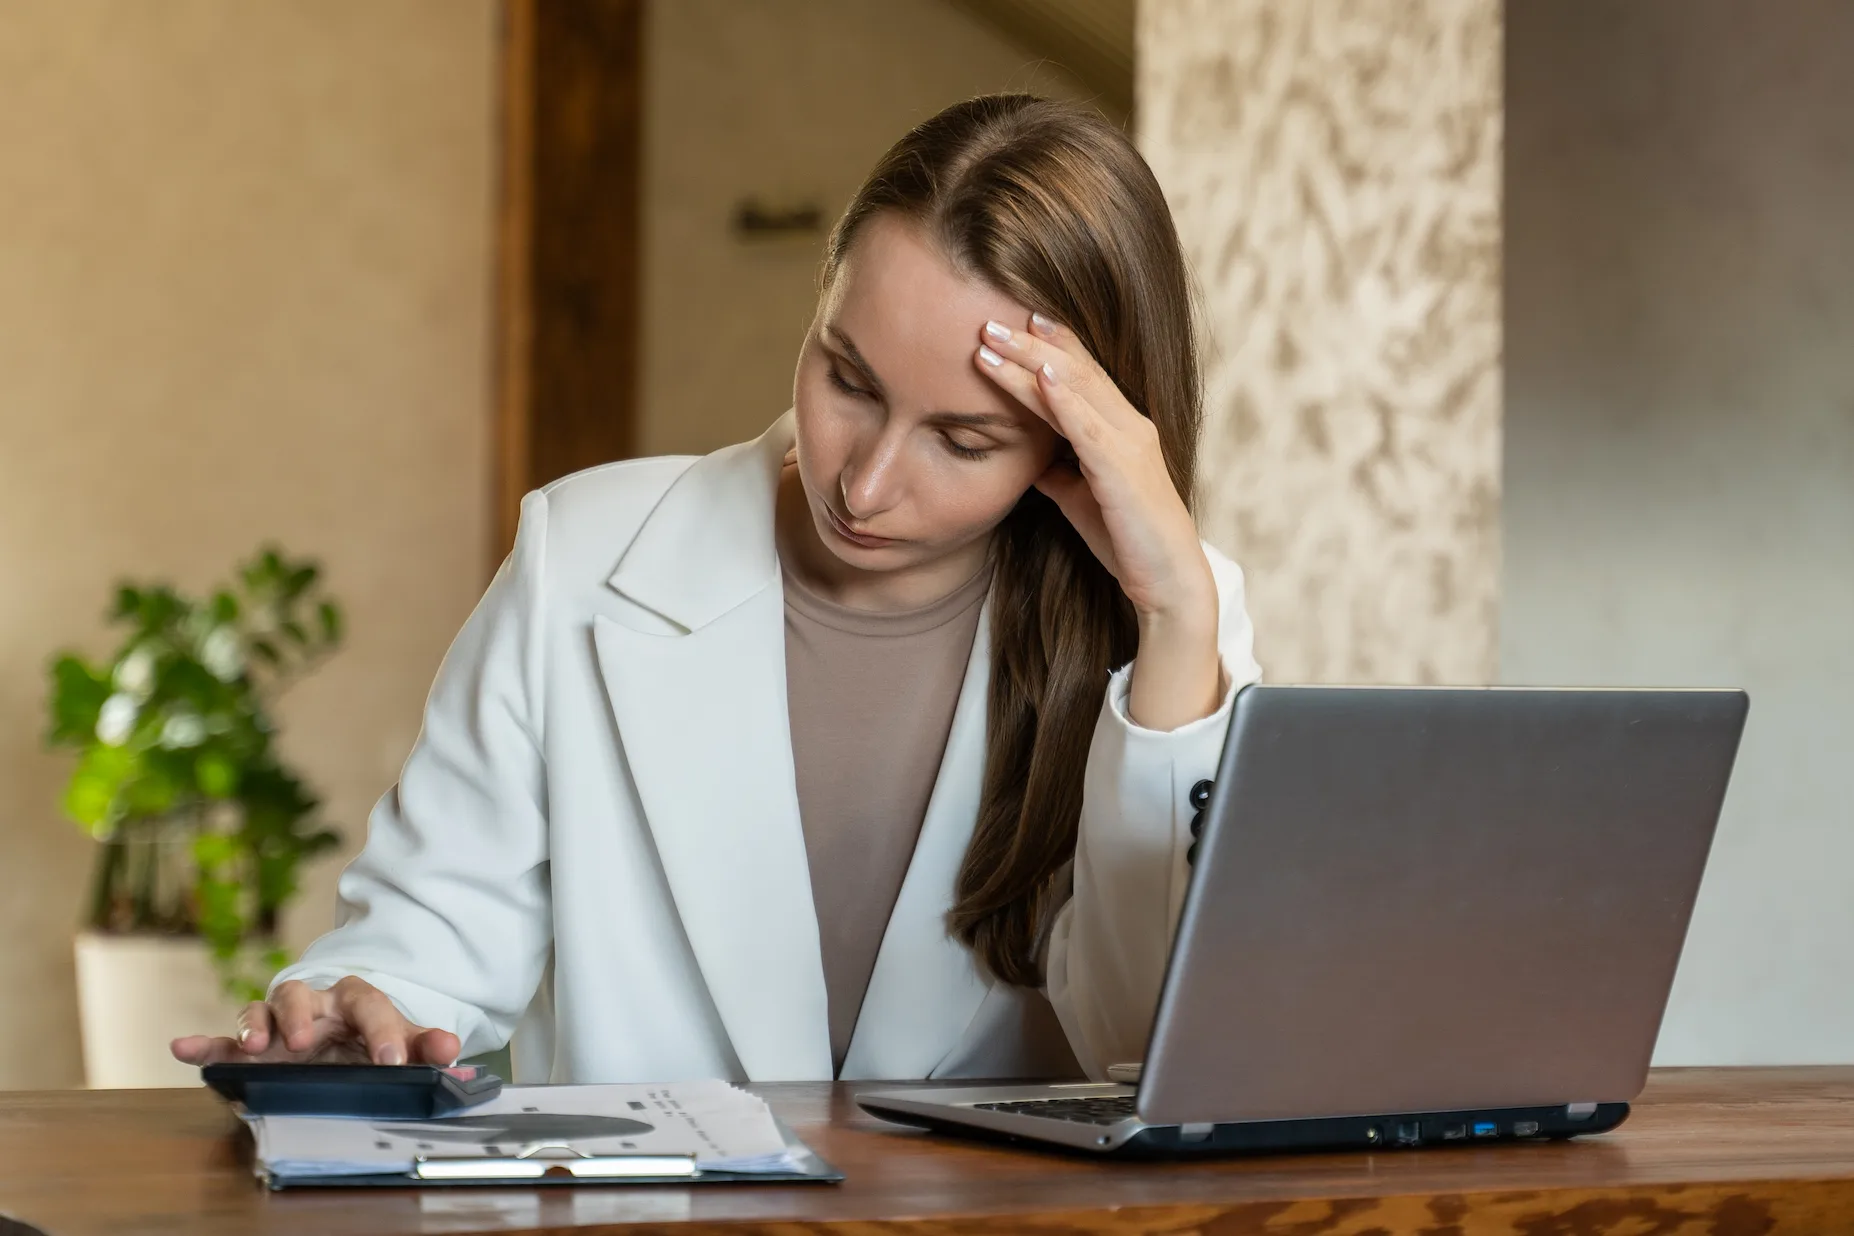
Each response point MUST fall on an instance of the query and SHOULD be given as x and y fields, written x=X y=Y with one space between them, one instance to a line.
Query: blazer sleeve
x=1110 y=941
x=447 y=908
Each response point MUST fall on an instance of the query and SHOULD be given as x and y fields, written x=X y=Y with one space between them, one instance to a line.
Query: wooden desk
x=1720 y=1152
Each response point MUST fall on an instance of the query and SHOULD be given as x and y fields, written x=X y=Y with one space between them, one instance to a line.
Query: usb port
x=1525 y=1128
x=1486 y=1128
x=1454 y=1132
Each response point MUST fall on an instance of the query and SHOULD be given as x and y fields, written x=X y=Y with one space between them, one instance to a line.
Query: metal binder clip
x=531 y=1163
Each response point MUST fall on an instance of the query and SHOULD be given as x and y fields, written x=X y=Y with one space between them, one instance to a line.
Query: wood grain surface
x=1724 y=1152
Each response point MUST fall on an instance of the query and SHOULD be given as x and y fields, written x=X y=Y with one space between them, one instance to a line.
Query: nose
x=870 y=479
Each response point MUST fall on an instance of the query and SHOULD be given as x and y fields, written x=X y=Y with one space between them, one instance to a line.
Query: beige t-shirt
x=871 y=698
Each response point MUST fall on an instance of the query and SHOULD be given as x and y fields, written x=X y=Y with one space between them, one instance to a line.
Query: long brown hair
x=1051 y=205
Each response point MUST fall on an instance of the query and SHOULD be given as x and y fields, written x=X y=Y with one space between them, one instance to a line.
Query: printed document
x=723 y=1127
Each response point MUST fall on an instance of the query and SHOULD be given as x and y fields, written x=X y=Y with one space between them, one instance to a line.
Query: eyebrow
x=976 y=420
x=849 y=349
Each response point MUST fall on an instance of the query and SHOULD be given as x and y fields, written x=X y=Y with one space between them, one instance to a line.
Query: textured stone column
x=1334 y=168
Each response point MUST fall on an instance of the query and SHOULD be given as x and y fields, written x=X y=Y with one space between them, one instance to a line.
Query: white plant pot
x=136 y=993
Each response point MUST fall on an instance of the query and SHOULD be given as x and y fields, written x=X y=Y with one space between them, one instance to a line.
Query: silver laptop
x=1416 y=916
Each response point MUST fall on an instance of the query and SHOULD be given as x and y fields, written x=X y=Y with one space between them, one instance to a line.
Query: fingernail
x=244 y=1034
x=1042 y=325
x=1049 y=372
x=393 y=1053
x=990 y=357
x=998 y=331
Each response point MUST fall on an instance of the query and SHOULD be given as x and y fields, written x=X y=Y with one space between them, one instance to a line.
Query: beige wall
x=1335 y=174
x=243 y=293
x=1680 y=467
x=787 y=101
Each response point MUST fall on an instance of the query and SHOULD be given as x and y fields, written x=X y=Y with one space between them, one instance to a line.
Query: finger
x=295 y=1007
x=1019 y=383
x=255 y=1027
x=1072 y=362
x=439 y=1047
x=202 y=1049
x=191 y=1048
x=1068 y=343
x=1026 y=349
x=1074 y=497
x=1066 y=487
x=376 y=1020
x=1074 y=419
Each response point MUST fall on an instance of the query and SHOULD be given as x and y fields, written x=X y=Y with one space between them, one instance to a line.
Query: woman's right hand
x=351 y=1022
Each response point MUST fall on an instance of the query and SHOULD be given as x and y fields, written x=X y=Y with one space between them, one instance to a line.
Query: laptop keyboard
x=1104 y=1109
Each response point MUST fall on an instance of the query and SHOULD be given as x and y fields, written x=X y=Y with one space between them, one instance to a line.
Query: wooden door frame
x=568 y=247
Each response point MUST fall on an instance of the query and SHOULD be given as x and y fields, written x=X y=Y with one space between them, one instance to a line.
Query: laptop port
x=1486 y=1128
x=1525 y=1128
x=1454 y=1132
x=1409 y=1133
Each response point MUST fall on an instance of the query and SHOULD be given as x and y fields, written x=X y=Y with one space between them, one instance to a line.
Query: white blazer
x=597 y=836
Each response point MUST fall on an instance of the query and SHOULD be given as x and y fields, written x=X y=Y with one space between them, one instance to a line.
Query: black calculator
x=378 y=1091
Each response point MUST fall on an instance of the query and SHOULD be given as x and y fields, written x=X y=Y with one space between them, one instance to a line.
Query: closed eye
x=843 y=384
x=964 y=452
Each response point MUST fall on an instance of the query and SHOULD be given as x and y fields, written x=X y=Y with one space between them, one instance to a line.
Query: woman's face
x=907 y=453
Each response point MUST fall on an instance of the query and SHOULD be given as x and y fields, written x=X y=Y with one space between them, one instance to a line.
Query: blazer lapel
x=701 y=709
x=926 y=987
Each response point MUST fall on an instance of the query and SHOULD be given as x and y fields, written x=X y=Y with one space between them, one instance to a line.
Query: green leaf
x=315 y=843
x=215 y=775
x=220 y=921
x=214 y=850
x=329 y=615
x=87 y=800
x=184 y=678
x=158 y=609
x=91 y=797
x=272 y=795
x=154 y=792
x=224 y=607
x=276 y=879
x=77 y=695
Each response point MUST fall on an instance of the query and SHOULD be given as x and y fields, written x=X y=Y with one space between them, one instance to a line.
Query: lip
x=855 y=538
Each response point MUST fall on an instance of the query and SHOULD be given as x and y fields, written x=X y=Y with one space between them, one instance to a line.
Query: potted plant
x=201 y=826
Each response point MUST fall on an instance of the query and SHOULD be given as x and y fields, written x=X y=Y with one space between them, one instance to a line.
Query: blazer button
x=1191 y=855
x=1200 y=793
x=1197 y=825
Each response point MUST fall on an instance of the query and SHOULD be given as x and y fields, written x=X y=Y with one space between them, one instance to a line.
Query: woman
x=864 y=749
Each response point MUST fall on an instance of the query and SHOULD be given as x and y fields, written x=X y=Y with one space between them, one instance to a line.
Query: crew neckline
x=890 y=623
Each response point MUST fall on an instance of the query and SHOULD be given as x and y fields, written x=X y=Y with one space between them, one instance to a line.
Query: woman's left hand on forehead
x=1117 y=491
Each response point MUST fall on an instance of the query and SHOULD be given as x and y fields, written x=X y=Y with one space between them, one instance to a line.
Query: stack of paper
x=724 y=1128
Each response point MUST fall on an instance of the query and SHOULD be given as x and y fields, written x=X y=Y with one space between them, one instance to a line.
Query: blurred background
x=1531 y=359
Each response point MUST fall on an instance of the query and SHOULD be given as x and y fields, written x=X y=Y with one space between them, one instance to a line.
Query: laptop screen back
x=1435 y=899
